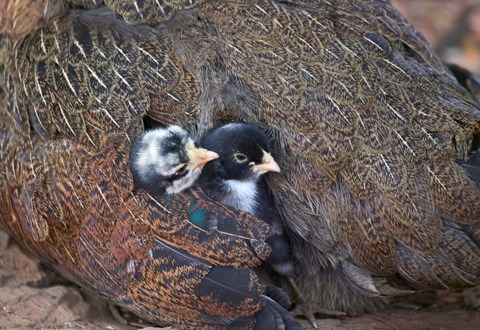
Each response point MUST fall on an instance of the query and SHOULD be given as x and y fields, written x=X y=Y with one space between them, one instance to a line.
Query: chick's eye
x=181 y=170
x=240 y=158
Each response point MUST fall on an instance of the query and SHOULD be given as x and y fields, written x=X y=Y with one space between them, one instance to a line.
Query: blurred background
x=452 y=27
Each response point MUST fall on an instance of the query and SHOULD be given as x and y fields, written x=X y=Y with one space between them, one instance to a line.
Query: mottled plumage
x=367 y=124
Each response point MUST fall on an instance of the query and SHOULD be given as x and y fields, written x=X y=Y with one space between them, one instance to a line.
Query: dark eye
x=240 y=158
x=181 y=170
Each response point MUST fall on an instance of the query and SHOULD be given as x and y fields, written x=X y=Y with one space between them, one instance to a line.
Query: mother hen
x=367 y=124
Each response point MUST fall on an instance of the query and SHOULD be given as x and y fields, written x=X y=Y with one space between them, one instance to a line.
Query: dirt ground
x=32 y=297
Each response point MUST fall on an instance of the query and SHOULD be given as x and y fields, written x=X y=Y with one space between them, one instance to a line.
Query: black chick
x=236 y=179
x=167 y=160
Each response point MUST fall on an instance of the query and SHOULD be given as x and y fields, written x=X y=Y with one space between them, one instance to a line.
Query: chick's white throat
x=241 y=195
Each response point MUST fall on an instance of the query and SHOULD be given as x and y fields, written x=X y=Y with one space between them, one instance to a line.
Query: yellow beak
x=268 y=164
x=199 y=157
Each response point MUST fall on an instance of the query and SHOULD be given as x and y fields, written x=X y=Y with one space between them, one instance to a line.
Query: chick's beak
x=199 y=157
x=268 y=164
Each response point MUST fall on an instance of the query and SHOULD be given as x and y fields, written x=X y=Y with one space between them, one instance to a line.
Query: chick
x=237 y=179
x=167 y=160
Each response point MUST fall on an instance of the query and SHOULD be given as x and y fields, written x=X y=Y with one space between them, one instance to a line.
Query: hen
x=366 y=122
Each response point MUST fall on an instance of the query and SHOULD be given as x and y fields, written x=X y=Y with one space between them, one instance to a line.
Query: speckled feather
x=366 y=123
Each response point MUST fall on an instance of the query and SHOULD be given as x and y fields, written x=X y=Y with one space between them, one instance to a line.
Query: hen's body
x=367 y=124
